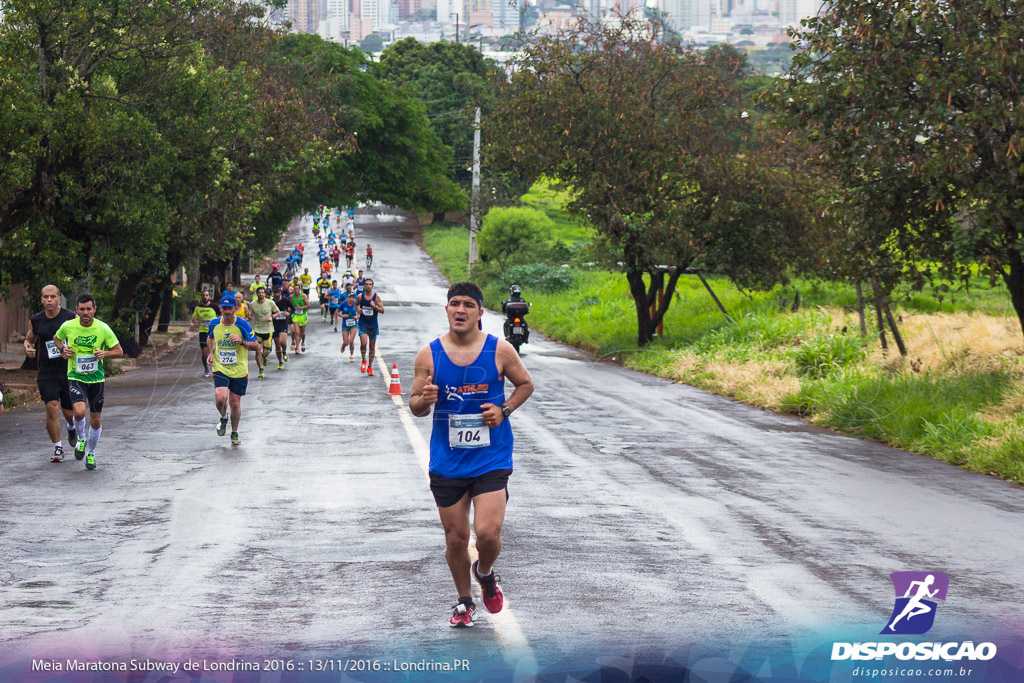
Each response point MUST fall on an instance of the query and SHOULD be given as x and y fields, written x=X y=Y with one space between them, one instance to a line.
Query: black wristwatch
x=506 y=411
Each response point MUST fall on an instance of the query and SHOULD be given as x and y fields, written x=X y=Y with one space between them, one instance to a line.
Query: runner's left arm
x=248 y=338
x=510 y=365
x=113 y=346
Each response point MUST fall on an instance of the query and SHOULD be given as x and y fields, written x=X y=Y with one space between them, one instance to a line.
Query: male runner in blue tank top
x=461 y=375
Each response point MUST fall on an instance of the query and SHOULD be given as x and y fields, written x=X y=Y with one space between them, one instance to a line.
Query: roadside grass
x=958 y=396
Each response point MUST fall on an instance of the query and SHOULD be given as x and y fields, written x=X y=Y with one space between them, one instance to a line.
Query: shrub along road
x=645 y=517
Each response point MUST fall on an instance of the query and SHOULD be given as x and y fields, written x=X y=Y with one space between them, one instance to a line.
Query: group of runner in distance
x=459 y=378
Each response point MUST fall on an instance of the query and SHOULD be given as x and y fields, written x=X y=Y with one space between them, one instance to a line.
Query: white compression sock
x=80 y=428
x=94 y=438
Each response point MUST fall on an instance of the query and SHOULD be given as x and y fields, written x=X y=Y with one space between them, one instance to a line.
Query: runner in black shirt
x=53 y=370
x=281 y=324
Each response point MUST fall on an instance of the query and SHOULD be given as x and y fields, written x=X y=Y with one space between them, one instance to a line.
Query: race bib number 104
x=468 y=431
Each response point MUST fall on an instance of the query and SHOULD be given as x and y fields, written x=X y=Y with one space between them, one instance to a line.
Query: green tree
x=451 y=80
x=513 y=235
x=915 y=109
x=372 y=43
x=384 y=148
x=649 y=138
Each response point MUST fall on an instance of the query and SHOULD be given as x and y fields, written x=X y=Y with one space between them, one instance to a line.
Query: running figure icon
x=916 y=596
x=915 y=606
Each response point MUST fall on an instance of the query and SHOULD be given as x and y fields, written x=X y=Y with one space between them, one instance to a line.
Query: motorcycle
x=517 y=332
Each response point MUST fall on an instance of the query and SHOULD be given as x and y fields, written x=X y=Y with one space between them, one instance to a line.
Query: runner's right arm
x=424 y=391
x=30 y=343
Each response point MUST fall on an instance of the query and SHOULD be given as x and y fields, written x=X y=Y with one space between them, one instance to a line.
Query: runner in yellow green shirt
x=203 y=313
x=262 y=312
x=86 y=342
x=256 y=285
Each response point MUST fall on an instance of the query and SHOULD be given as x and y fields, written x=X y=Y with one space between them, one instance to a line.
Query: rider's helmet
x=515 y=290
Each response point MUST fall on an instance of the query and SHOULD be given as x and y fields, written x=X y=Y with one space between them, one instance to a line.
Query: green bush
x=537 y=276
x=953 y=434
x=514 y=235
x=822 y=356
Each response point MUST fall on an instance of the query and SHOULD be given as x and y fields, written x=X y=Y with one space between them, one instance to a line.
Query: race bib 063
x=86 y=364
x=468 y=431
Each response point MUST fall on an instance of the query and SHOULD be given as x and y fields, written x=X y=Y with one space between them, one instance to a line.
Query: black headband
x=475 y=297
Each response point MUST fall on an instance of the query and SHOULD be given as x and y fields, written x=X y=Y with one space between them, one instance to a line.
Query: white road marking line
x=518 y=652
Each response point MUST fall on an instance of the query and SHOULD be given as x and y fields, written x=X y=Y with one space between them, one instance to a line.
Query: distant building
x=506 y=13
x=686 y=14
x=337 y=8
x=376 y=11
x=445 y=12
x=305 y=15
x=334 y=28
x=359 y=28
x=792 y=11
x=721 y=26
x=556 y=18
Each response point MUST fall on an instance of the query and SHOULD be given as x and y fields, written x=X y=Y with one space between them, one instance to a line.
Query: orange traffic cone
x=396 y=386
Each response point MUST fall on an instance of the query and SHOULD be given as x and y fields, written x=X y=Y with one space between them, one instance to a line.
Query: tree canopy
x=650 y=138
x=915 y=108
x=138 y=138
x=451 y=80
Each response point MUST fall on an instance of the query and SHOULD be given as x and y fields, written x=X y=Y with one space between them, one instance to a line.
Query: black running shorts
x=54 y=388
x=202 y=337
x=90 y=393
x=448 y=492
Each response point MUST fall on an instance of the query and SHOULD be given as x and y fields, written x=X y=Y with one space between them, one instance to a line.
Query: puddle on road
x=37 y=584
x=44 y=604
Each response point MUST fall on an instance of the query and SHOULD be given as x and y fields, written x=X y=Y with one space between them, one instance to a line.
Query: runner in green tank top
x=299 y=320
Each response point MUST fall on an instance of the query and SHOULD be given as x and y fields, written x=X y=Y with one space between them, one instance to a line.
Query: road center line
x=518 y=652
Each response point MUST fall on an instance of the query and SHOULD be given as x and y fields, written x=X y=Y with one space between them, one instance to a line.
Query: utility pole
x=474 y=207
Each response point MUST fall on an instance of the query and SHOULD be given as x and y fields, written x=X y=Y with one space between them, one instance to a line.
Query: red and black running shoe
x=462 y=615
x=493 y=598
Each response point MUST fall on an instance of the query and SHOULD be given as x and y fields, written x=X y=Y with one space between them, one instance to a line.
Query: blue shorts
x=236 y=385
x=370 y=332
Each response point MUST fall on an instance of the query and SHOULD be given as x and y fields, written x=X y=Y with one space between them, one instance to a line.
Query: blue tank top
x=350 y=311
x=367 y=313
x=461 y=390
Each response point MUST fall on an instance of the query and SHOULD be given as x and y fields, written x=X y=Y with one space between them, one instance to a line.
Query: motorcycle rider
x=515 y=295
x=514 y=308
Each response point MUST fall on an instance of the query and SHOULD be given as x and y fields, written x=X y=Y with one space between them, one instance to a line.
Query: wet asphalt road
x=645 y=516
